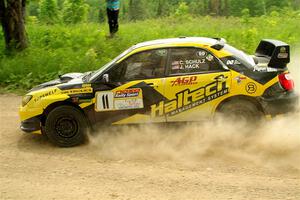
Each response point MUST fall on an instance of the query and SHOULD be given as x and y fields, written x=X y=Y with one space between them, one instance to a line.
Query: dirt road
x=207 y=162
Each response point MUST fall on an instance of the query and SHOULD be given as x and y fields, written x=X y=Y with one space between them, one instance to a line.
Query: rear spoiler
x=277 y=52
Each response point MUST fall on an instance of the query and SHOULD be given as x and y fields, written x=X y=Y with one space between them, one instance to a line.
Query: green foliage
x=75 y=11
x=57 y=49
x=33 y=8
x=276 y=4
x=137 y=10
x=246 y=16
x=255 y=7
x=144 y=9
x=97 y=10
x=48 y=11
x=198 y=8
x=182 y=10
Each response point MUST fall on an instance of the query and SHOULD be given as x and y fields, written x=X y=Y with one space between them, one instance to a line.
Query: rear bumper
x=282 y=104
x=31 y=125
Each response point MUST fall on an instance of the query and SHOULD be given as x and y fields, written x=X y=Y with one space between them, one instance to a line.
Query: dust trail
x=274 y=144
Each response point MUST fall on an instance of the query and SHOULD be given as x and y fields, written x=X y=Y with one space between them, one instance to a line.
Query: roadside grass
x=58 y=49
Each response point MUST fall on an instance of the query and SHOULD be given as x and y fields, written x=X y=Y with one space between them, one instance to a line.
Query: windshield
x=96 y=73
x=240 y=56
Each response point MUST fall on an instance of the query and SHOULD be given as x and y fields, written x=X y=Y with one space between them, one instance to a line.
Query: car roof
x=172 y=41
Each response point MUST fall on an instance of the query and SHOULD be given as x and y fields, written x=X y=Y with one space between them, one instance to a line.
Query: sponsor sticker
x=258 y=68
x=251 y=88
x=125 y=104
x=77 y=91
x=184 y=81
x=209 y=57
x=201 y=54
x=127 y=93
x=161 y=52
x=233 y=62
x=131 y=98
x=240 y=78
x=48 y=93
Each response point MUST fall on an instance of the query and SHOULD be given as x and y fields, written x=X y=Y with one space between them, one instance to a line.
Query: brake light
x=286 y=81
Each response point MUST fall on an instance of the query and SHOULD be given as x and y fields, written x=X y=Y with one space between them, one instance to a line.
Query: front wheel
x=66 y=126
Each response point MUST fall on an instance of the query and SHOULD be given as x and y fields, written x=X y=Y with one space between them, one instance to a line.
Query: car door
x=197 y=82
x=136 y=83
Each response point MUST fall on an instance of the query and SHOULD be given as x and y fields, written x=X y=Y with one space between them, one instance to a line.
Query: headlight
x=26 y=99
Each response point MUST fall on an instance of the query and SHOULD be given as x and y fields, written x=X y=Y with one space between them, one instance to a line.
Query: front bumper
x=281 y=104
x=31 y=125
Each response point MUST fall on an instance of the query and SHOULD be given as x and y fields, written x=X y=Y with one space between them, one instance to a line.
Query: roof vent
x=219 y=44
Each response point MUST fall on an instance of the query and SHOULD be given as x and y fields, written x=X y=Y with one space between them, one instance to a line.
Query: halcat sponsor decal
x=187 y=99
x=132 y=92
x=180 y=81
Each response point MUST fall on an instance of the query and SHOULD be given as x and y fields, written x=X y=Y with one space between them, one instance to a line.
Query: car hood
x=70 y=78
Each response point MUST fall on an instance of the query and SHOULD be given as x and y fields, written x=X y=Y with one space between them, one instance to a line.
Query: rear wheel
x=240 y=111
x=66 y=126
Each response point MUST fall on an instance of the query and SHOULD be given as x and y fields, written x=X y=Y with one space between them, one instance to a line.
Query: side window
x=192 y=60
x=144 y=65
x=115 y=73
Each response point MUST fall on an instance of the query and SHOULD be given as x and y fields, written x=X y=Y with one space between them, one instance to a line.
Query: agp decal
x=191 y=80
x=187 y=99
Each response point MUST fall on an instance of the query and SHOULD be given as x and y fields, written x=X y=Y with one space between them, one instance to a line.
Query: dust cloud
x=275 y=143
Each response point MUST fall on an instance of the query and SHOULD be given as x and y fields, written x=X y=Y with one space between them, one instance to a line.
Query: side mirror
x=105 y=78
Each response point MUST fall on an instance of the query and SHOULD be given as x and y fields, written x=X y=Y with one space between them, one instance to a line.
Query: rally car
x=184 y=79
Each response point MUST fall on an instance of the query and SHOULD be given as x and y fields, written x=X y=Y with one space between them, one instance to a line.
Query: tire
x=240 y=111
x=66 y=126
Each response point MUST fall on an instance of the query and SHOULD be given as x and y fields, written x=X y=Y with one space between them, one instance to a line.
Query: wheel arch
x=250 y=99
x=54 y=105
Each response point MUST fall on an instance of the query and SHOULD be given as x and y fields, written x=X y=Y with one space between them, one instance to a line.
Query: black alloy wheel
x=66 y=126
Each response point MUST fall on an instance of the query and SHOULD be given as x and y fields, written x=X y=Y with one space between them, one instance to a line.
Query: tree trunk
x=12 y=20
x=215 y=7
x=24 y=10
x=225 y=8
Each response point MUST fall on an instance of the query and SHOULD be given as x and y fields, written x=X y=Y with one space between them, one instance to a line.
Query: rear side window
x=193 y=60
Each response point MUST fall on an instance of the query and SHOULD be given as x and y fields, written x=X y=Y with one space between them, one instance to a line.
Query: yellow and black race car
x=183 y=79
